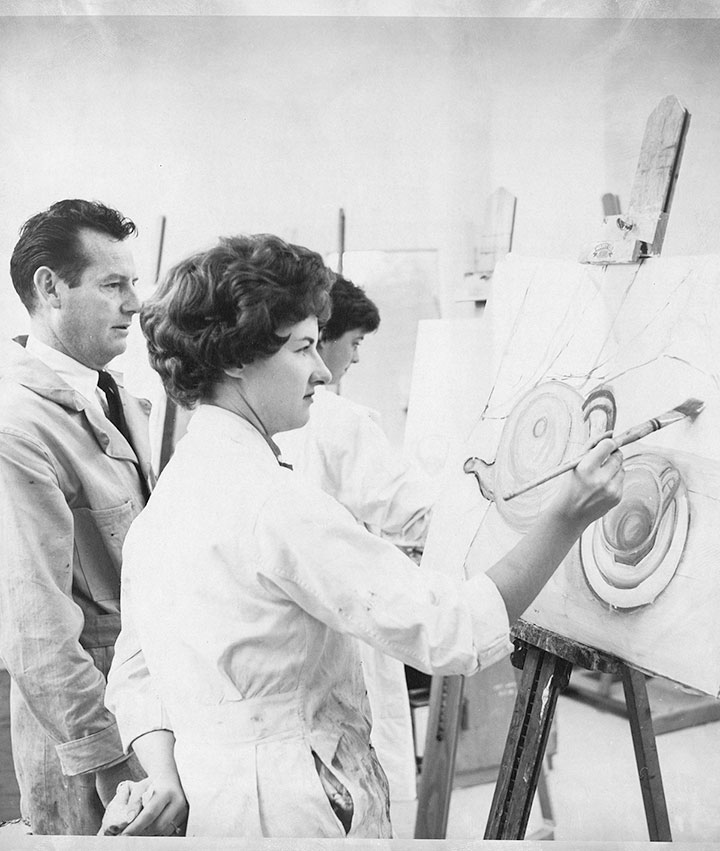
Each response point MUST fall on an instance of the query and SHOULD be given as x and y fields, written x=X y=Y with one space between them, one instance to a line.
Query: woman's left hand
x=155 y=806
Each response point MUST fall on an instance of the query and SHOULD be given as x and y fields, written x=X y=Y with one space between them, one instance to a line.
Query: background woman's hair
x=222 y=308
x=351 y=310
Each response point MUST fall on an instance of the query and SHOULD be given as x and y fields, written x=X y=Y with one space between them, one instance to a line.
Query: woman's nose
x=321 y=374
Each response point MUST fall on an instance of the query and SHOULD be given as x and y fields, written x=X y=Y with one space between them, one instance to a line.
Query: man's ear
x=234 y=371
x=46 y=287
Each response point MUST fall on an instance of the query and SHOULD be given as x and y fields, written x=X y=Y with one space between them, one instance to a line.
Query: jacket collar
x=212 y=422
x=30 y=372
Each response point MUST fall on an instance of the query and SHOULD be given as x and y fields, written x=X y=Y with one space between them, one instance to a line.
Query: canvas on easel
x=579 y=349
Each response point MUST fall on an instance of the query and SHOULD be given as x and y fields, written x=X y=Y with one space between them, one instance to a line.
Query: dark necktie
x=115 y=411
x=117 y=417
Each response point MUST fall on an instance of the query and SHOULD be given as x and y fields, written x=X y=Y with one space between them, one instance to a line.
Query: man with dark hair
x=344 y=451
x=74 y=472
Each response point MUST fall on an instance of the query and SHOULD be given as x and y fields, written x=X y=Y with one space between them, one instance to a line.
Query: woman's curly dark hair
x=351 y=309
x=222 y=308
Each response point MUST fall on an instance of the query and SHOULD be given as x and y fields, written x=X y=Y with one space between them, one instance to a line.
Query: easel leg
x=438 y=764
x=646 y=756
x=543 y=678
x=546 y=809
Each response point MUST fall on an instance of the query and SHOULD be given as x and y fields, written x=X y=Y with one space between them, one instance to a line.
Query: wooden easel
x=547 y=659
x=495 y=242
x=438 y=766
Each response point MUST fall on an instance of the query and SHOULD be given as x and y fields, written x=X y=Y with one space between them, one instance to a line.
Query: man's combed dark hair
x=351 y=309
x=222 y=308
x=51 y=239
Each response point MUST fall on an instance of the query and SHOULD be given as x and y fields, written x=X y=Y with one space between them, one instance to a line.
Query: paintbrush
x=689 y=408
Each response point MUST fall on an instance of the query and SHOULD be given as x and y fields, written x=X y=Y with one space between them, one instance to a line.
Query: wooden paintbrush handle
x=563 y=468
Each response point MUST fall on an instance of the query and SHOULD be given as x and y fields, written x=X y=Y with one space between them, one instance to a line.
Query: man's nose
x=131 y=303
x=355 y=357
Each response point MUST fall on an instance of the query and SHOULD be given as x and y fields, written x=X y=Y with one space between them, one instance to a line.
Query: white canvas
x=645 y=586
x=448 y=391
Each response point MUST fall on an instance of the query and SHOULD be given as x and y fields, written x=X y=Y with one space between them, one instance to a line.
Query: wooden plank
x=494 y=243
x=498 y=224
x=672 y=706
x=610 y=204
x=567 y=648
x=341 y=240
x=547 y=829
x=657 y=171
x=438 y=767
x=9 y=792
x=640 y=231
x=543 y=678
x=167 y=442
x=646 y=755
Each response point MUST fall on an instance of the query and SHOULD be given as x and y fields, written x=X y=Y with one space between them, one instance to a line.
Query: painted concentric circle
x=544 y=428
x=631 y=555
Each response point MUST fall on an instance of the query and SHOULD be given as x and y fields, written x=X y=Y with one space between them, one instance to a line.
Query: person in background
x=74 y=472
x=344 y=451
x=257 y=586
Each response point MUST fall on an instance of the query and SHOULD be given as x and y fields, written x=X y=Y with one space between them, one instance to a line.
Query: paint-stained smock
x=344 y=451
x=69 y=489
x=255 y=586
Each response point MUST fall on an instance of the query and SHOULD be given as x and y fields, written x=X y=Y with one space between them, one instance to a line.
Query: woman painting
x=236 y=677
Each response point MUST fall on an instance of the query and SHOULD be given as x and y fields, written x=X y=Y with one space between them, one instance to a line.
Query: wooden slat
x=494 y=243
x=543 y=678
x=657 y=171
x=569 y=649
x=496 y=238
x=438 y=766
x=646 y=755
x=640 y=231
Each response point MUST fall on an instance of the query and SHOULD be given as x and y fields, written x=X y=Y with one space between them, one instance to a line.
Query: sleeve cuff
x=490 y=624
x=91 y=752
x=146 y=716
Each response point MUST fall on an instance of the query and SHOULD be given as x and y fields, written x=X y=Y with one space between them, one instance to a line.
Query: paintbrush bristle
x=690 y=407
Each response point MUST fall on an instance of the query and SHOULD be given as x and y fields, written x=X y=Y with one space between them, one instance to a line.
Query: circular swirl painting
x=543 y=429
x=632 y=553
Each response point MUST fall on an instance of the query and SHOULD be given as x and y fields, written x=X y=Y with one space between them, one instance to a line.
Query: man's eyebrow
x=114 y=276
x=305 y=339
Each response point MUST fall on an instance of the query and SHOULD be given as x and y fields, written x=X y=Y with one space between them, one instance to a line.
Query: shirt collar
x=80 y=377
x=232 y=425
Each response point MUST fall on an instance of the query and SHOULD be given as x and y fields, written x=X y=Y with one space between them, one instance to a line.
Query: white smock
x=344 y=451
x=244 y=593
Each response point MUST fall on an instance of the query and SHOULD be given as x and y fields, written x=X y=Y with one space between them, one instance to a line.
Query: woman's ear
x=234 y=371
